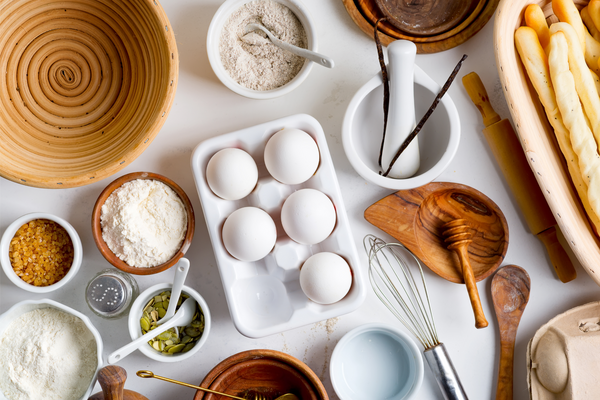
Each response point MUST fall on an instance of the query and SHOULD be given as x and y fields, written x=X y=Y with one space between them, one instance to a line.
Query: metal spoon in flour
x=310 y=55
x=181 y=271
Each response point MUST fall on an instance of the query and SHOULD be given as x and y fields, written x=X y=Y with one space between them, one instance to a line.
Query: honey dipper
x=456 y=234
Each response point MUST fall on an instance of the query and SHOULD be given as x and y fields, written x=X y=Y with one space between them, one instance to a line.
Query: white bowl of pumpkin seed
x=150 y=306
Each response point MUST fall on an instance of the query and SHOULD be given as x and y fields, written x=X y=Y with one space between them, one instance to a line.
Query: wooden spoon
x=458 y=237
x=112 y=380
x=510 y=292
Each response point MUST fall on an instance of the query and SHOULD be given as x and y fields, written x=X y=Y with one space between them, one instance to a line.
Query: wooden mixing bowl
x=86 y=86
x=267 y=372
x=107 y=252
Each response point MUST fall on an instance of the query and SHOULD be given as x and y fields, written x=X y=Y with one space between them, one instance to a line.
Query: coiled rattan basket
x=85 y=86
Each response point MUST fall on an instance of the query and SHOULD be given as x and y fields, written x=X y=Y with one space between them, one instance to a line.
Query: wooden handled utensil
x=510 y=157
x=458 y=237
x=112 y=380
x=510 y=293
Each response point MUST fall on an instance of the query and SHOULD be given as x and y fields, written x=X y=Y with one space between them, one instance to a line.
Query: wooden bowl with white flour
x=143 y=223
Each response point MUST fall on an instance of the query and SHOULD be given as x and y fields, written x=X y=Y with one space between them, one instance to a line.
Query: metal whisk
x=408 y=299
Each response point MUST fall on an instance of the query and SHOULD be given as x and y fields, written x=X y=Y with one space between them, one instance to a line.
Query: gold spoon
x=150 y=374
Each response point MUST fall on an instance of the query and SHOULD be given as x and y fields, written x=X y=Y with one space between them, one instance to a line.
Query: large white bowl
x=214 y=56
x=135 y=331
x=9 y=233
x=376 y=362
x=363 y=127
x=29 y=305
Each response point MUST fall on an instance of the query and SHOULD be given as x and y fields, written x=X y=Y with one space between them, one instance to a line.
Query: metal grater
x=108 y=295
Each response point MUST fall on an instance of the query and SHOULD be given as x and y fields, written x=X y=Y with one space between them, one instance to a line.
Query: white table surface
x=204 y=108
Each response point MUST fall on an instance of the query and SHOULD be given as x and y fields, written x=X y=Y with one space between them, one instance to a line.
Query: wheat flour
x=143 y=222
x=46 y=354
x=255 y=62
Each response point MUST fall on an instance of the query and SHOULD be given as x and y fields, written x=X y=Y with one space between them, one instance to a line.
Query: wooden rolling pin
x=510 y=157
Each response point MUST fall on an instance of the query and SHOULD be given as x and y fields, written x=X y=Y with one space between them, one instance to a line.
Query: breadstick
x=586 y=88
x=534 y=18
x=592 y=53
x=593 y=8
x=589 y=23
x=566 y=11
x=536 y=64
x=596 y=81
x=570 y=108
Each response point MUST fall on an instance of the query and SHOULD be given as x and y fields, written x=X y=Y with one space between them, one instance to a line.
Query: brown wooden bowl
x=366 y=12
x=86 y=87
x=97 y=229
x=429 y=17
x=268 y=372
x=537 y=136
x=415 y=218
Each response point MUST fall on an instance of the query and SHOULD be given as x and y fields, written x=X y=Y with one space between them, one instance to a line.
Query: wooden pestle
x=112 y=380
x=456 y=234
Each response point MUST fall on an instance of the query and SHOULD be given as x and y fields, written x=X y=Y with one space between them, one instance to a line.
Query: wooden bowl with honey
x=99 y=227
x=264 y=372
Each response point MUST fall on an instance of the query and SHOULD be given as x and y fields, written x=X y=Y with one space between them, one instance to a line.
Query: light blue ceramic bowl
x=376 y=362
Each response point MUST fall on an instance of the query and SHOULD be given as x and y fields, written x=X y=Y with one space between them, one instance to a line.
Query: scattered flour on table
x=46 y=354
x=144 y=222
x=254 y=62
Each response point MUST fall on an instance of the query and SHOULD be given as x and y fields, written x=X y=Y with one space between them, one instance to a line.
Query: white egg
x=231 y=174
x=249 y=234
x=291 y=156
x=308 y=216
x=325 y=278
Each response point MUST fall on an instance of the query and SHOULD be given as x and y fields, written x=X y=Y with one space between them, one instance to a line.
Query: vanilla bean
x=386 y=85
x=419 y=126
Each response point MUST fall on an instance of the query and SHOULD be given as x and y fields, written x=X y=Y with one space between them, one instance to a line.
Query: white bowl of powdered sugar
x=249 y=64
x=48 y=351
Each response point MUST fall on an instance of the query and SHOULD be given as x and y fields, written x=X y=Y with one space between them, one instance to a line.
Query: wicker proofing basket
x=86 y=85
x=537 y=136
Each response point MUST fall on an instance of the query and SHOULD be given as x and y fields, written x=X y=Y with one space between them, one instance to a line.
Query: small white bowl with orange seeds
x=40 y=252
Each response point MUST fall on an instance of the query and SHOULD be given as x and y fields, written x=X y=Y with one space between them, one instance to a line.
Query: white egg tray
x=264 y=297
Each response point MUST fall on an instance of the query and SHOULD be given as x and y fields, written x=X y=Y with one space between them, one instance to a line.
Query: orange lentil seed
x=41 y=252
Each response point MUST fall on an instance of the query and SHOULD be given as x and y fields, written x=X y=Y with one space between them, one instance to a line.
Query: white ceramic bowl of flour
x=26 y=306
x=217 y=24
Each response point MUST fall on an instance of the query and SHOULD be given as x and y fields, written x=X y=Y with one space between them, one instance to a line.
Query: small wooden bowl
x=538 y=139
x=86 y=87
x=415 y=218
x=268 y=372
x=97 y=228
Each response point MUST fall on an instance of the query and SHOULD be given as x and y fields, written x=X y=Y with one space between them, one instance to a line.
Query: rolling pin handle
x=558 y=256
x=479 y=96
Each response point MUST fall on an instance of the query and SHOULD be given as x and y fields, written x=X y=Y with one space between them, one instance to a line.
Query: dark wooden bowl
x=97 y=229
x=267 y=372
x=415 y=218
x=428 y=17
x=366 y=12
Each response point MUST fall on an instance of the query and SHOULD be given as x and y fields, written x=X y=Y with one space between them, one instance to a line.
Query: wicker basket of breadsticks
x=547 y=56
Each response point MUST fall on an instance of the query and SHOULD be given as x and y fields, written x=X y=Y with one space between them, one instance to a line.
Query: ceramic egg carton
x=264 y=296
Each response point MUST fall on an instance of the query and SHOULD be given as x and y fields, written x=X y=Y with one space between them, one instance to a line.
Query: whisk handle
x=440 y=364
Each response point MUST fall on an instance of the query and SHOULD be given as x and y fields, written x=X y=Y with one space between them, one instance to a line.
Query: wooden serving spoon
x=510 y=292
x=456 y=233
x=112 y=380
